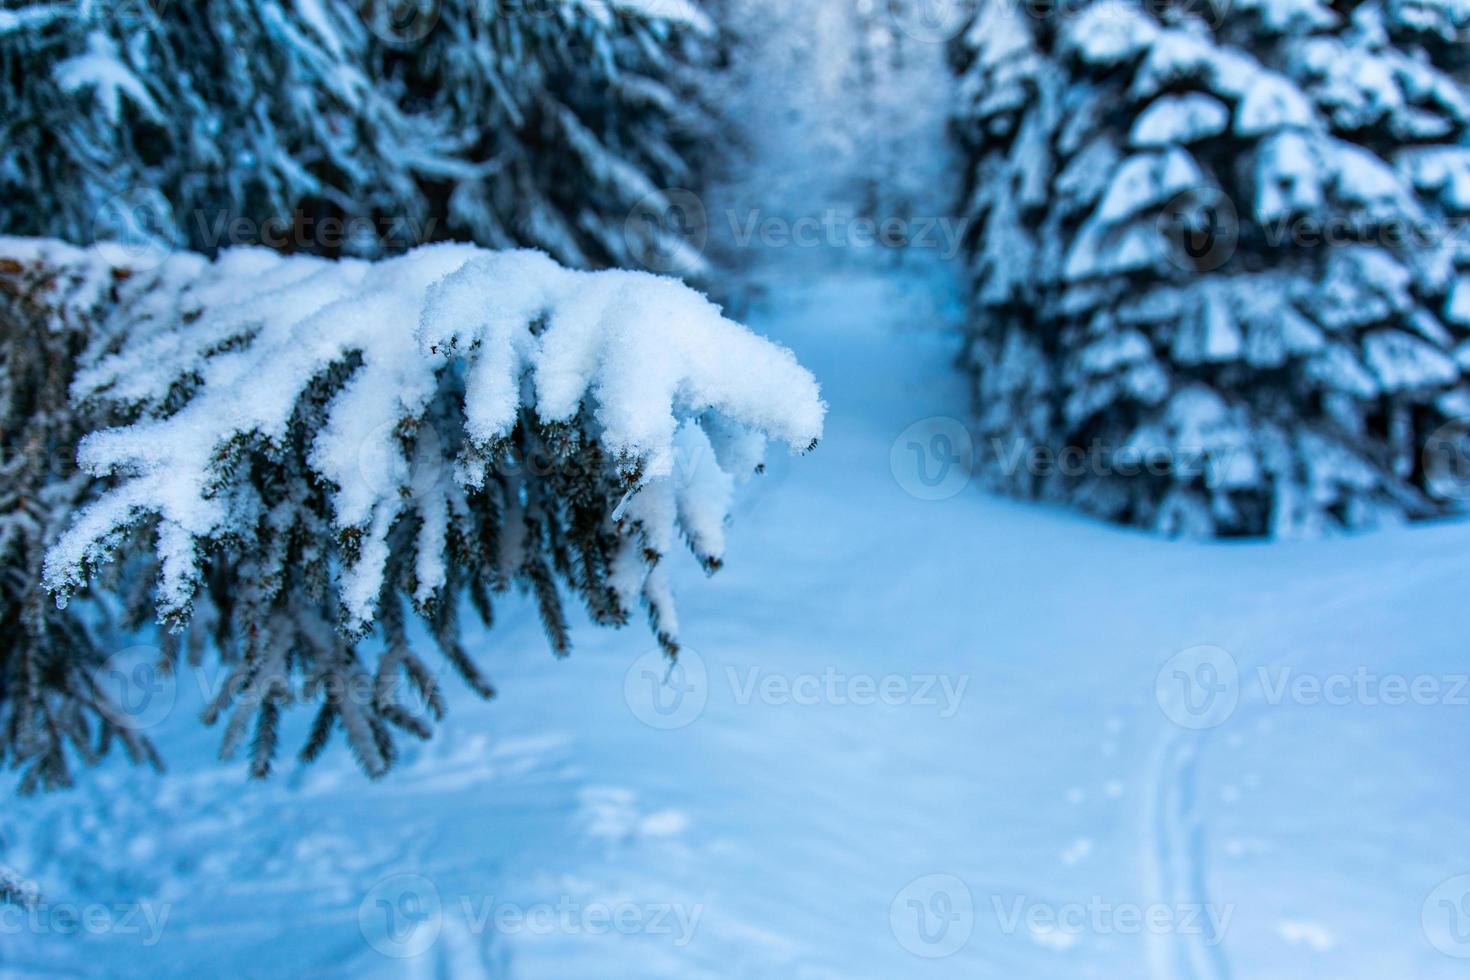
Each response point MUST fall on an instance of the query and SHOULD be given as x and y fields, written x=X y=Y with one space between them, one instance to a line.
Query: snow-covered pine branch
x=326 y=126
x=322 y=448
x=1232 y=236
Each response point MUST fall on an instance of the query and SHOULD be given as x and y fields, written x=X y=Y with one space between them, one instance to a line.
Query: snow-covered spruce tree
x=50 y=703
x=318 y=451
x=1221 y=268
x=335 y=127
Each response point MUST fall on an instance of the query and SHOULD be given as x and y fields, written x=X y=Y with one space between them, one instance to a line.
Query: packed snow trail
x=1171 y=840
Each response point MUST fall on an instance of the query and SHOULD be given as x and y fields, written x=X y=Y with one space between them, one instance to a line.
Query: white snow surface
x=1037 y=765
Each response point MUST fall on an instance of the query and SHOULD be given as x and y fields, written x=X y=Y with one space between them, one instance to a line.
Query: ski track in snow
x=1173 y=858
x=1173 y=851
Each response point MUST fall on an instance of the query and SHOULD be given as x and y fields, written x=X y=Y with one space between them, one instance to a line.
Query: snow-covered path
x=921 y=727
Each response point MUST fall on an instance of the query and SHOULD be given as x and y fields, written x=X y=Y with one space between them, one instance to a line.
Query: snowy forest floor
x=1023 y=752
x=1015 y=797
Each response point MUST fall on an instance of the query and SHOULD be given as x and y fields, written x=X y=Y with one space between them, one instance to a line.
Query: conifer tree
x=1221 y=275
x=339 y=127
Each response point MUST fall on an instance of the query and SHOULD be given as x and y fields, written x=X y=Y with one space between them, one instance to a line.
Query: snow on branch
x=639 y=362
x=314 y=444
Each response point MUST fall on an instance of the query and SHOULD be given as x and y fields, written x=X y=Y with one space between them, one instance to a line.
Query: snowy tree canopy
x=326 y=126
x=1233 y=237
x=316 y=449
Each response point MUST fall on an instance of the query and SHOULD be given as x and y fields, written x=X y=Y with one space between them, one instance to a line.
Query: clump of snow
x=1183 y=118
x=683 y=12
x=1271 y=104
x=102 y=70
x=1109 y=32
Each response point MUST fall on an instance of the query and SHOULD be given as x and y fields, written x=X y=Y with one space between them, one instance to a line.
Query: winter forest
x=735 y=489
